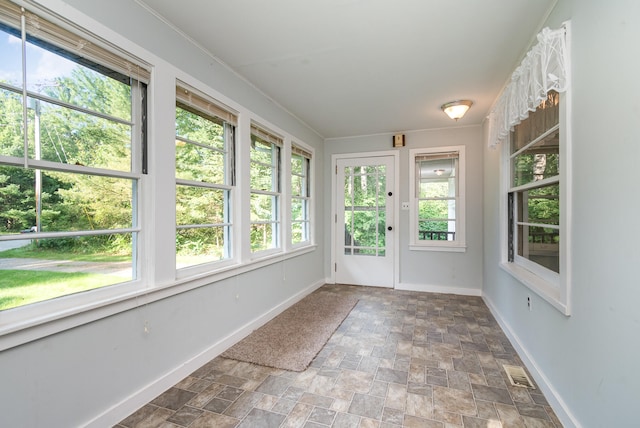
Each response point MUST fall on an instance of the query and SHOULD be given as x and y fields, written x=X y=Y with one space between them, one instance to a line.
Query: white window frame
x=19 y=320
x=552 y=287
x=206 y=105
x=277 y=166
x=459 y=243
x=307 y=196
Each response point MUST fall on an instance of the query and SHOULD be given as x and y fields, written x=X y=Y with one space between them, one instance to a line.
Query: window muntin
x=534 y=194
x=437 y=205
x=75 y=189
x=205 y=178
x=300 y=195
x=265 y=183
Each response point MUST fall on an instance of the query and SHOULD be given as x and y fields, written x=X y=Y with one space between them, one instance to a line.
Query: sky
x=42 y=66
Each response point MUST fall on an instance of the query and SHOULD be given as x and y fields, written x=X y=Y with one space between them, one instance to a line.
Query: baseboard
x=141 y=397
x=555 y=400
x=428 y=288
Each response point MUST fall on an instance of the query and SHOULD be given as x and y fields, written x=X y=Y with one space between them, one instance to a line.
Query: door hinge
x=336 y=219
x=336 y=169
x=335 y=267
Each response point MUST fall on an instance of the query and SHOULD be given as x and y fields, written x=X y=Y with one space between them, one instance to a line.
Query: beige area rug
x=291 y=340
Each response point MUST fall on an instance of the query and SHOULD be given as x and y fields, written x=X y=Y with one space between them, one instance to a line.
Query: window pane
x=11 y=136
x=263 y=177
x=546 y=116
x=436 y=230
x=201 y=245
x=263 y=207
x=297 y=162
x=540 y=161
x=540 y=245
x=263 y=236
x=299 y=209
x=71 y=137
x=208 y=131
x=262 y=151
x=11 y=64
x=199 y=163
x=437 y=209
x=299 y=232
x=540 y=205
x=437 y=188
x=44 y=269
x=69 y=202
x=60 y=78
x=199 y=205
x=297 y=186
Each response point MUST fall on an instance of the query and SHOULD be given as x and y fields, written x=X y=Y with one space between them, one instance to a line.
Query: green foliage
x=365 y=199
x=70 y=201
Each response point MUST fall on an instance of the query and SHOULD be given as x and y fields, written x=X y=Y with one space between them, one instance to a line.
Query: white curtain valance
x=545 y=68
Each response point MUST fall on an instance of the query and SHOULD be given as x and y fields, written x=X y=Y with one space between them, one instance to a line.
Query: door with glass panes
x=364 y=221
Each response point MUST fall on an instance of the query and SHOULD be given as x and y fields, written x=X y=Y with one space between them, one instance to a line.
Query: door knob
x=389 y=227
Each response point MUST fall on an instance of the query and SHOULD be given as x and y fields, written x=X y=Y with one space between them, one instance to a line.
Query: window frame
x=306 y=155
x=276 y=165
x=459 y=243
x=554 y=288
x=198 y=103
x=109 y=62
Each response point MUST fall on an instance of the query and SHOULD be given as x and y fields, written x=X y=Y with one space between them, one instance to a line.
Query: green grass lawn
x=21 y=287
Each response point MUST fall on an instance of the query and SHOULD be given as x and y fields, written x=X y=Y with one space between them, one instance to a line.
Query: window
x=534 y=229
x=72 y=158
x=300 y=195
x=265 y=156
x=437 y=202
x=205 y=176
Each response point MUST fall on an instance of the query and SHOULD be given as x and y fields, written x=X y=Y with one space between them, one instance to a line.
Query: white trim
x=560 y=408
x=133 y=402
x=442 y=289
x=459 y=244
x=548 y=291
x=442 y=248
x=552 y=287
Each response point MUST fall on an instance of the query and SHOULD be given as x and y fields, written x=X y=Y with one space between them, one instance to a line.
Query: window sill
x=20 y=331
x=449 y=248
x=547 y=290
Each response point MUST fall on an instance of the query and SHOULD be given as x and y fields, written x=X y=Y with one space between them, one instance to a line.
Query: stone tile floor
x=399 y=359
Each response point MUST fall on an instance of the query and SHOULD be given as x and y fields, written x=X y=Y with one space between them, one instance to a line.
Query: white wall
x=446 y=272
x=590 y=359
x=99 y=370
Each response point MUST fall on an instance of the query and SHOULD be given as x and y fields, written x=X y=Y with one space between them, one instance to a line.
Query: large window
x=437 y=203
x=205 y=176
x=534 y=229
x=72 y=158
x=300 y=195
x=265 y=165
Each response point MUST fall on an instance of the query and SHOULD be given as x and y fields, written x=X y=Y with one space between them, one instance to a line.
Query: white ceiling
x=360 y=67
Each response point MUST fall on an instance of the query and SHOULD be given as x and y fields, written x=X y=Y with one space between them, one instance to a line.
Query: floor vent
x=518 y=376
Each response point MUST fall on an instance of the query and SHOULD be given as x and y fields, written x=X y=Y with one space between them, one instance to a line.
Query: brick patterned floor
x=400 y=358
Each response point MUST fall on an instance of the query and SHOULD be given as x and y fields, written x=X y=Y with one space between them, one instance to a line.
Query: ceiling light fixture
x=456 y=109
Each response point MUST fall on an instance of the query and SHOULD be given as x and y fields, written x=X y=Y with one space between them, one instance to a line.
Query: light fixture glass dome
x=456 y=109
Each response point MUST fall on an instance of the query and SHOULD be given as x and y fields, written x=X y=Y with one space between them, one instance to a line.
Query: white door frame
x=396 y=207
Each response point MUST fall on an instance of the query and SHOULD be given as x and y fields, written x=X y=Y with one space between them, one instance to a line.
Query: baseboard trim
x=553 y=397
x=130 y=404
x=429 y=288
